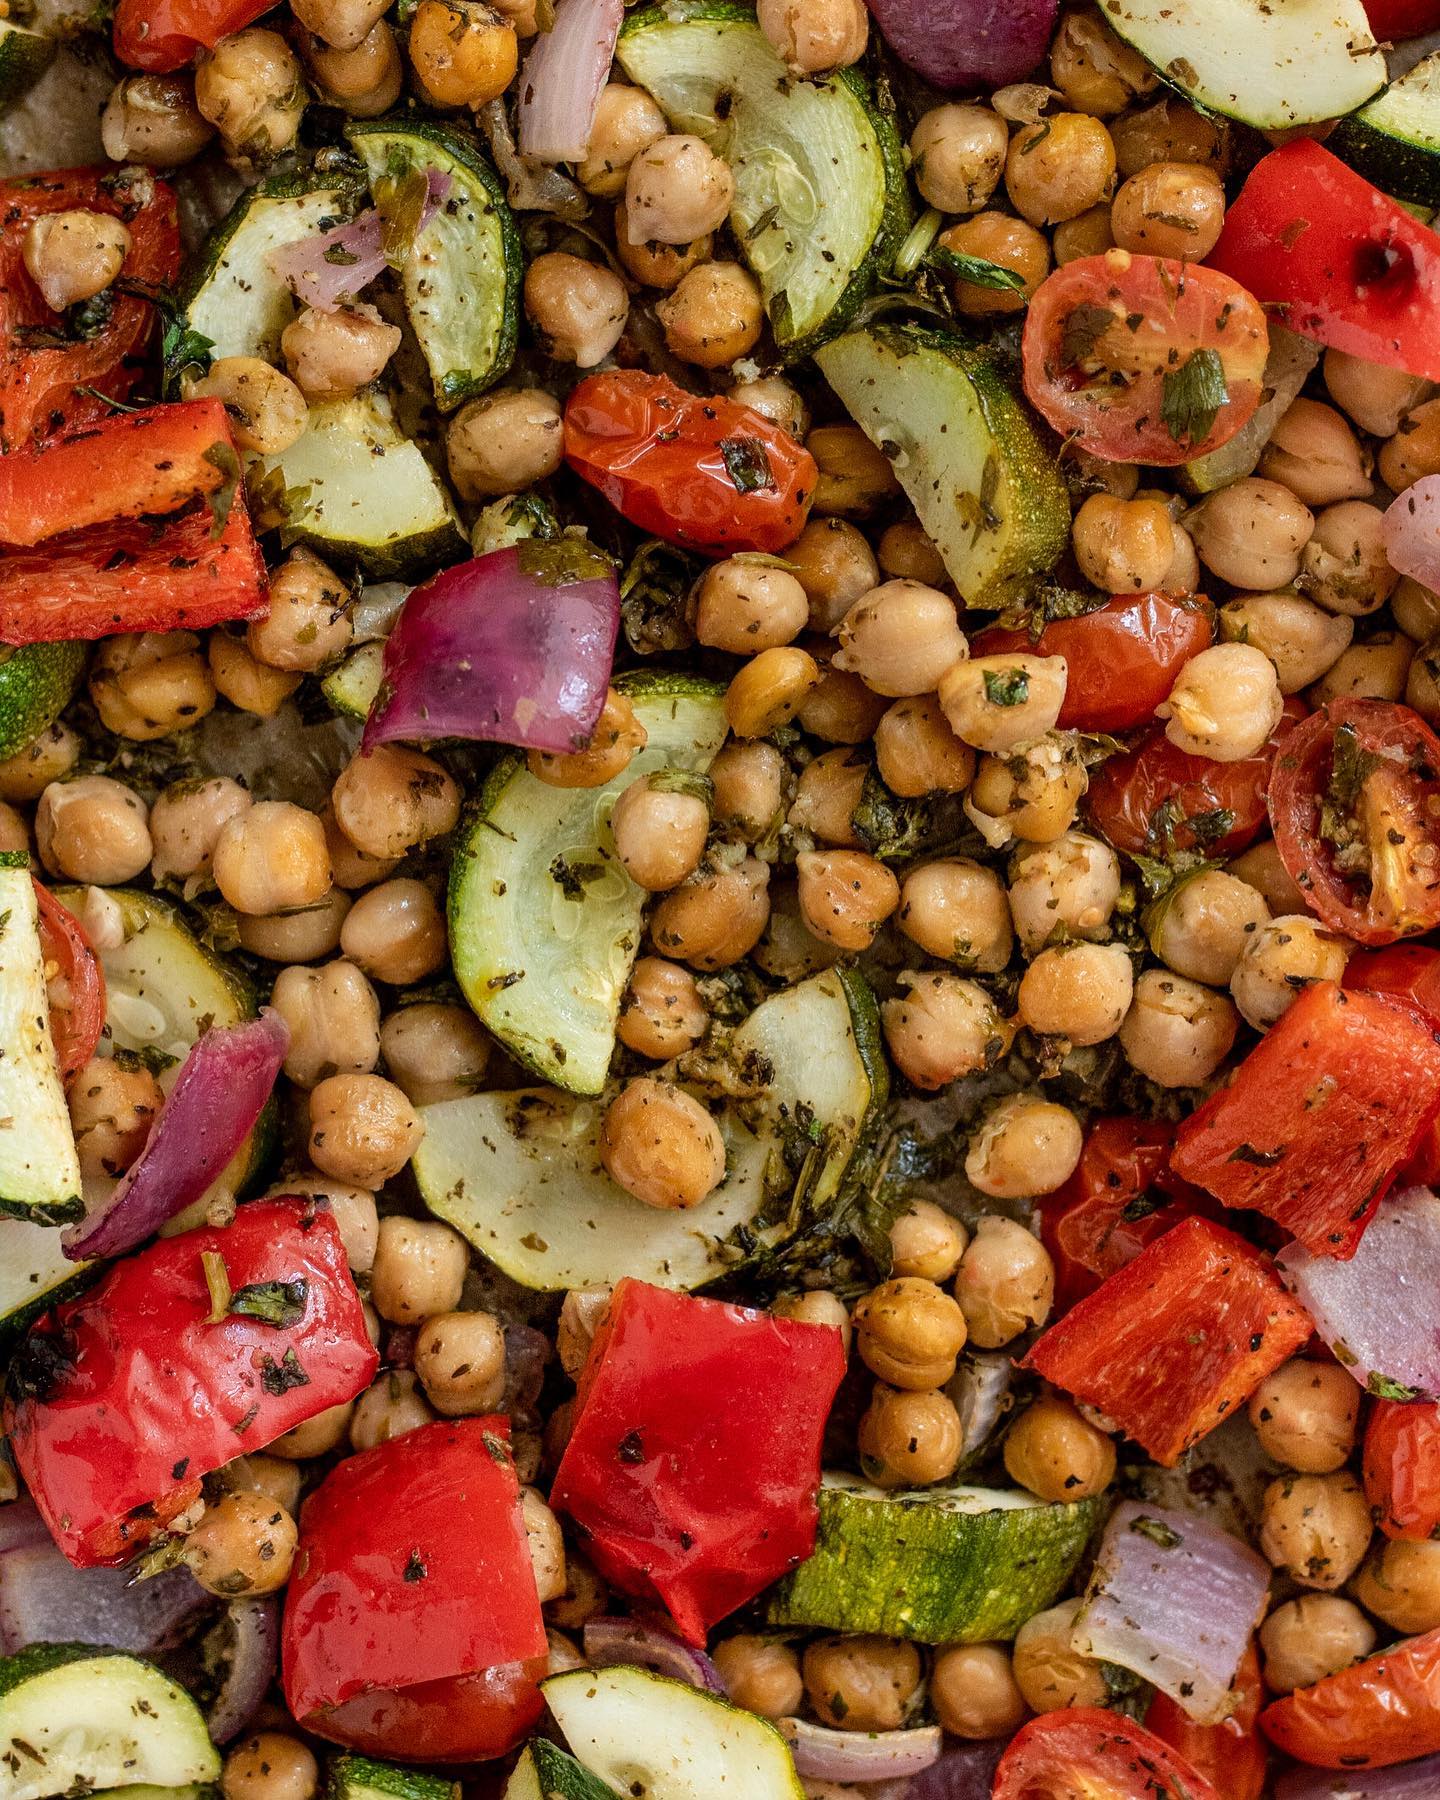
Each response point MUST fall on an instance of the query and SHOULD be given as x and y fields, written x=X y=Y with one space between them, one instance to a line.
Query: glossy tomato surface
x=1090 y=1753
x=77 y=990
x=1401 y=1466
x=467 y=1718
x=1230 y=1755
x=159 y=35
x=1374 y=1714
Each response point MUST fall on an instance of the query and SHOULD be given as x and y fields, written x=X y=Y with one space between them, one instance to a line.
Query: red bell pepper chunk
x=45 y=386
x=134 y=575
x=1401 y=1468
x=412 y=1606
x=1374 y=1714
x=1230 y=1755
x=160 y=35
x=1177 y=1340
x=1321 y=1116
x=132 y=465
x=1343 y=262
x=695 y=1459
x=121 y=1400
x=1413 y=972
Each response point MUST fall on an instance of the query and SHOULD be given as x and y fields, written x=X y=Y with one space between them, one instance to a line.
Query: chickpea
x=1225 y=703
x=185 y=824
x=578 y=309
x=269 y=1765
x=907 y=1438
x=48 y=757
x=1414 y=450
x=1177 y=1033
x=434 y=1051
x=1070 y=886
x=363 y=82
x=845 y=895
x=112 y=1107
x=297 y=936
x=14 y=832
x=1260 y=867
x=1377 y=669
x=618 y=734
x=1011 y=243
x=317 y=1436
x=1400 y=1584
x=926 y=1242
x=1301 y=639
x=941 y=1027
x=1123 y=546
x=1088 y=234
x=811 y=36
x=768 y=690
x=249 y=87
x=861 y=1683
x=1059 y=168
x=389 y=799
x=817 y=1306
x=835 y=565
x=1030 y=794
x=244 y=1544
x=1047 y=1671
x=1023 y=1146
x=581 y=1313
x=362 y=1129
x=1006 y=1282
x=901 y=638
x=1315 y=1527
x=73 y=255
x=627 y=121
x=267 y=412
x=1313 y=1636
x=1170 y=209
x=1280 y=958
x=334 y=1021
x=958 y=156
x=659 y=830
x=1304 y=1415
x=974 y=1691
x=1422 y=683
x=343 y=23
x=392 y=1405
x=829 y=790
x=1314 y=452
x=762 y=1674
x=92 y=829
x=148 y=685
x=504 y=442
x=661 y=1145
x=1079 y=992
x=419 y=1270
x=252 y=686
x=1374 y=395
x=713 y=316
x=353 y=1210
x=460 y=1360
x=309 y=620
x=855 y=475
x=1252 y=533
x=585 y=1598
x=463 y=52
x=652 y=263
x=839 y=708
x=1205 y=925
x=1416 y=611
x=1169 y=131
x=1095 y=71
x=909 y=1333
x=774 y=399
x=268 y=1476
x=1055 y=1453
x=396 y=933
x=676 y=190
x=153 y=119
x=918 y=753
x=743 y=606
x=662 y=1014
x=907 y=550
x=1344 y=567
x=715 y=918
x=331 y=354
x=1183 y=575
x=271 y=857
x=999 y=702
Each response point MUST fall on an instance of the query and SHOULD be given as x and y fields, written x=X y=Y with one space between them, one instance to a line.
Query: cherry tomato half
x=77 y=989
x=160 y=35
x=1230 y=1754
x=1144 y=359
x=1374 y=1714
x=465 y=1718
x=1401 y=1466
x=1121 y=659
x=1090 y=1751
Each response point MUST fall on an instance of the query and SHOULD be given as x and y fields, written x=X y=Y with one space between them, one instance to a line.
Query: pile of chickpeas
x=850 y=662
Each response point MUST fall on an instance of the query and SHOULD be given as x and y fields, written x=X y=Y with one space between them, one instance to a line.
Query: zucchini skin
x=1404 y=170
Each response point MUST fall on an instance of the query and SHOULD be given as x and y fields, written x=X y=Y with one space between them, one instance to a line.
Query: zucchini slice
x=234 y=298
x=1271 y=66
x=25 y=55
x=958 y=1565
x=545 y=1773
x=351 y=689
x=34 y=1274
x=648 y=1735
x=39 y=1170
x=73 y=1718
x=36 y=683
x=820 y=199
x=964 y=449
x=544 y=923
x=461 y=280
x=1395 y=140
x=359 y=1778
x=353 y=486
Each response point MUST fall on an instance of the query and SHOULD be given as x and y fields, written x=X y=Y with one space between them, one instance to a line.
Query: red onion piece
x=1176 y=1600
x=514 y=647
x=964 y=1772
x=526 y=1353
x=1406 y=1781
x=399 y=1348
x=45 y=1600
x=252 y=1660
x=863 y=1756
x=1377 y=1311
x=562 y=78
x=1412 y=532
x=333 y=266
x=609 y=1642
x=218 y=1095
x=967 y=43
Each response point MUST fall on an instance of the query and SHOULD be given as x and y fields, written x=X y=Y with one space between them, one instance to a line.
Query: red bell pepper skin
x=1231 y=1755
x=1342 y=262
x=1413 y=972
x=1321 y=1116
x=695 y=1459
x=1401 y=1468
x=1177 y=1340
x=413 y=1577
x=1376 y=1713
x=122 y=1399
x=134 y=575
x=1393 y=20
x=161 y=35
x=125 y=467
x=40 y=382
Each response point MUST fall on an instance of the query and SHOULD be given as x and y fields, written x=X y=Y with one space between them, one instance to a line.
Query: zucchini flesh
x=1287 y=368
x=36 y=683
x=34 y=1274
x=545 y=1773
x=351 y=689
x=1395 y=140
x=354 y=1777
x=39 y=1169
x=24 y=57
x=820 y=200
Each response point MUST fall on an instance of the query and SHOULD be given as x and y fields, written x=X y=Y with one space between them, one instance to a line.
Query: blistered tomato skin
x=1401 y=1467
x=704 y=473
x=1090 y=1750
x=1374 y=1714
x=75 y=1027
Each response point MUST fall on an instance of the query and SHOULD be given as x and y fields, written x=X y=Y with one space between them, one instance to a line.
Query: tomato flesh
x=1374 y=1714
x=77 y=990
x=1090 y=1753
x=1401 y=1465
x=161 y=35
x=1413 y=972
x=466 y=1718
x=1231 y=1754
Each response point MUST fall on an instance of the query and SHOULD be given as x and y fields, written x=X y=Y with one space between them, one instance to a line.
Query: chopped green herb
x=1192 y=396
x=279 y=1377
x=1083 y=331
x=747 y=464
x=221 y=499
x=1157 y=1531
x=1261 y=1159
x=977 y=270
x=1385 y=1387
x=279 y=1303
x=1007 y=687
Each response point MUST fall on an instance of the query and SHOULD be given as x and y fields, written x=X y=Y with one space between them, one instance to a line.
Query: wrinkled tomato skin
x=1376 y=1713
x=658 y=455
x=76 y=1027
x=1128 y=791
x=1121 y=660
x=1411 y=790
x=1401 y=1466
x=1413 y=972
x=1231 y=1754
x=1164 y=311
x=1090 y=1751
x=467 y=1718
x=39 y=385
x=161 y=35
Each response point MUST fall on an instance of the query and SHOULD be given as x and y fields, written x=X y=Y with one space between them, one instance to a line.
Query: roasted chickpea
x=362 y=1129
x=251 y=685
x=504 y=442
x=1374 y=395
x=269 y=1476
x=1095 y=71
x=786 y=950
x=73 y=255
x=393 y=1404
x=855 y=475
x=363 y=82
x=113 y=1104
x=1279 y=959
x=661 y=1145
x=1177 y=1033
x=907 y=550
x=334 y=1021
x=1023 y=1146
x=652 y=263
x=14 y=832
x=581 y=1312
x=1070 y=886
x=1311 y=1637
x=1059 y=168
x=309 y=619
x=769 y=690
x=419 y=1270
x=618 y=734
x=249 y=87
x=1205 y=925
x=1006 y=1282
x=774 y=399
x=715 y=918
x=1032 y=793
x=941 y=1027
x=1170 y=209
x=1305 y=1415
x=577 y=308
x=627 y=121
x=434 y=1051
x=861 y=1683
x=958 y=156
x=817 y=1306
x=317 y=1436
x=1315 y=1527
x=1079 y=992
x=918 y=753
x=974 y=1691
x=743 y=605
x=244 y=1544
x=1049 y=1673
x=299 y=935
x=909 y=1332
x=343 y=23
x=1301 y=639
x=1169 y=131
x=389 y=799
x=271 y=857
x=93 y=829
x=839 y=708
x=1344 y=567
x=460 y=1360
x=845 y=895
x=1088 y=234
x=49 y=756
x=835 y=565
x=900 y=638
x=185 y=824
x=1314 y=452
x=1011 y=243
x=1376 y=669
x=925 y=1241
x=748 y=778
x=1422 y=683
x=1260 y=867
x=1225 y=703
x=1252 y=533
x=150 y=684
x=659 y=827
x=713 y=315
x=907 y=1438
x=676 y=190
x=1123 y=546
x=269 y=1765
x=267 y=412
x=462 y=51
x=826 y=796
x=762 y=1674
x=331 y=354
x=1416 y=610
x=1057 y=1454
x=999 y=702
x=1400 y=1584
x=1414 y=450
x=811 y=36
x=153 y=119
